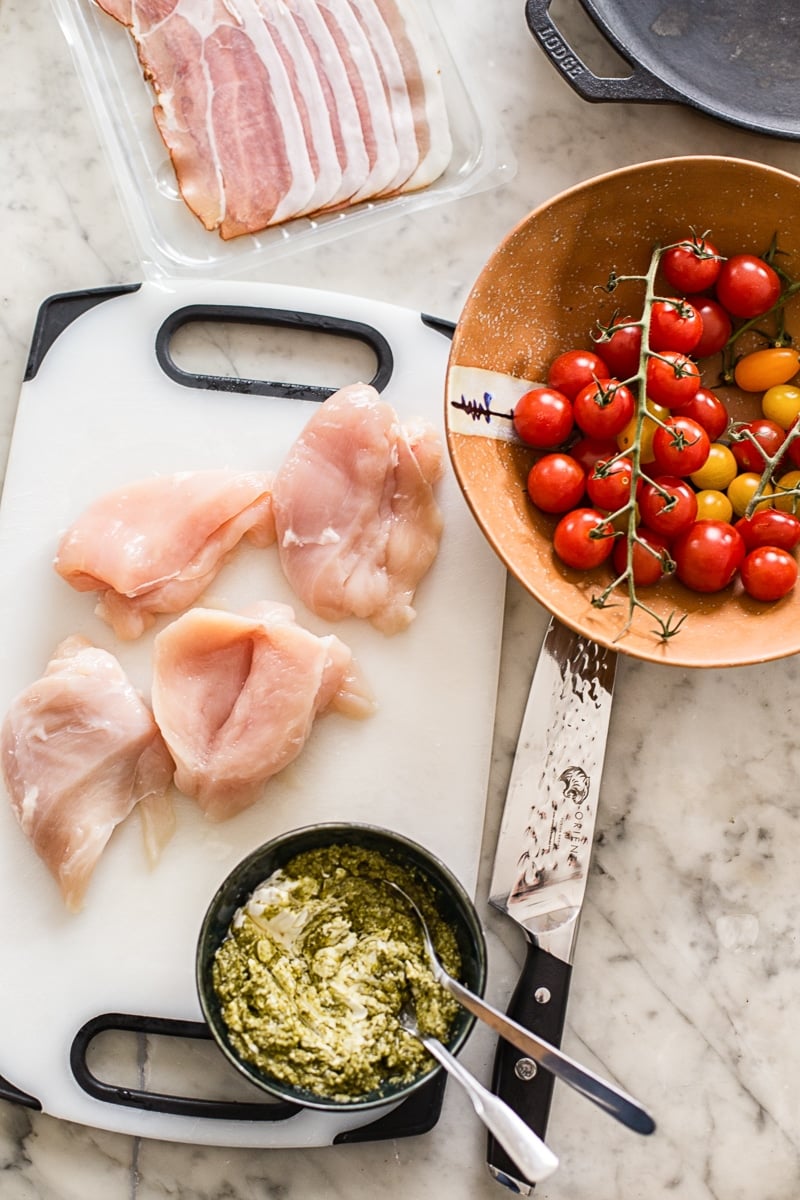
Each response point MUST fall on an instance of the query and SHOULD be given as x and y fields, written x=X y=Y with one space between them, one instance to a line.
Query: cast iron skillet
x=737 y=60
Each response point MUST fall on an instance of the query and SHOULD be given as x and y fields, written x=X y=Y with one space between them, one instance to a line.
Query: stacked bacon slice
x=273 y=109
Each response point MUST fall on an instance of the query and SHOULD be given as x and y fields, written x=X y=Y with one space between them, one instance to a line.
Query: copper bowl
x=541 y=293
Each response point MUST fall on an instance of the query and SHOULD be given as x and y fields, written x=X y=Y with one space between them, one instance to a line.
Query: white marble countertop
x=687 y=974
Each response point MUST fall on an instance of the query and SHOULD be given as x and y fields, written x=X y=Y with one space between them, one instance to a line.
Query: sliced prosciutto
x=273 y=109
x=356 y=518
x=152 y=547
x=236 y=696
x=80 y=750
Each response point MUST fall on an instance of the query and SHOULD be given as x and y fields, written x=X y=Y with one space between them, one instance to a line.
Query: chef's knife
x=542 y=857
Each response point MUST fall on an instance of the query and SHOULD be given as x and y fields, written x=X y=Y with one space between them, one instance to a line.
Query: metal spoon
x=613 y=1101
x=535 y=1160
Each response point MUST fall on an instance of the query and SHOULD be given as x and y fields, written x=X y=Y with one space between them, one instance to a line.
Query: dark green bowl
x=454 y=905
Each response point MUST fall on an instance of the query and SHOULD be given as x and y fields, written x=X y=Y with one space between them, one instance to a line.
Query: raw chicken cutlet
x=271 y=109
x=356 y=518
x=154 y=546
x=80 y=750
x=235 y=697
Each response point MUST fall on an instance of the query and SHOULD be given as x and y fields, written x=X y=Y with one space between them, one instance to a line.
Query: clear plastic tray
x=170 y=239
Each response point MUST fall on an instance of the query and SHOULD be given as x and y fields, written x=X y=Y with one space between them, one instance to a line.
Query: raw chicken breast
x=154 y=546
x=235 y=697
x=80 y=750
x=355 y=515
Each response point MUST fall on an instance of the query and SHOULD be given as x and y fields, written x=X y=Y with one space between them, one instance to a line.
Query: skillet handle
x=640 y=86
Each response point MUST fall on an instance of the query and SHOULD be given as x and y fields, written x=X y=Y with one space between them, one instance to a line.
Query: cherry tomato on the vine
x=587 y=451
x=648 y=565
x=741 y=492
x=668 y=505
x=768 y=573
x=672 y=378
x=609 y=484
x=575 y=369
x=770 y=527
x=708 y=555
x=766 y=434
x=680 y=446
x=543 y=418
x=691 y=266
x=708 y=410
x=747 y=286
x=718 y=470
x=622 y=348
x=604 y=408
x=713 y=505
x=717 y=326
x=556 y=483
x=583 y=538
x=764 y=368
x=781 y=404
x=674 y=325
x=788 y=482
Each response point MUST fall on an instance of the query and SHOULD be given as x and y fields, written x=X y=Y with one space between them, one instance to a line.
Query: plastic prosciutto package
x=239 y=130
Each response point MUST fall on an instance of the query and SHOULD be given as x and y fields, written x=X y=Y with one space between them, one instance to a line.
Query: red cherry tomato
x=691 y=266
x=648 y=566
x=680 y=446
x=583 y=538
x=668 y=505
x=769 y=436
x=672 y=379
x=747 y=286
x=576 y=369
x=674 y=325
x=587 y=451
x=609 y=484
x=556 y=483
x=621 y=351
x=717 y=327
x=770 y=527
x=603 y=409
x=543 y=418
x=707 y=410
x=768 y=573
x=708 y=555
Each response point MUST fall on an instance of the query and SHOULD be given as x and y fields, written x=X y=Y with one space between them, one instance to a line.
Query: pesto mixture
x=318 y=963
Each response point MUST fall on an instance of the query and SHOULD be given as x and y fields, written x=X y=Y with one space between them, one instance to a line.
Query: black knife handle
x=539 y=1003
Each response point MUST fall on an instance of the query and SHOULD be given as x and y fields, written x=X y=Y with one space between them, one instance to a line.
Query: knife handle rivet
x=525 y=1068
x=542 y=995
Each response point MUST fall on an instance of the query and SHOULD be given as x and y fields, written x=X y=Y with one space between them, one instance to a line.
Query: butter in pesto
x=317 y=965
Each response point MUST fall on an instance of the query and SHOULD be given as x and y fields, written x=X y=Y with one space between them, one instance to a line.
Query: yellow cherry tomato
x=763 y=368
x=742 y=489
x=628 y=436
x=781 y=404
x=719 y=469
x=713 y=506
x=788 y=483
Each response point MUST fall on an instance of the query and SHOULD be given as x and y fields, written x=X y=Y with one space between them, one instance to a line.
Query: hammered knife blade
x=542 y=858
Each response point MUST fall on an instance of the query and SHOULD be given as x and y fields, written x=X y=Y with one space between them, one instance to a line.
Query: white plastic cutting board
x=100 y=412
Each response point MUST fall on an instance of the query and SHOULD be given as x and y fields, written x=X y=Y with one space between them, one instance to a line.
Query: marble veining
x=687 y=972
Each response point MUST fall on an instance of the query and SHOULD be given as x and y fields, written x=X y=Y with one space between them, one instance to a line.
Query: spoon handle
x=611 y=1099
x=528 y=1151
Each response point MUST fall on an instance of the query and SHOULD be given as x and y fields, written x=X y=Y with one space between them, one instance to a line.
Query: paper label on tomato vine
x=481 y=402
